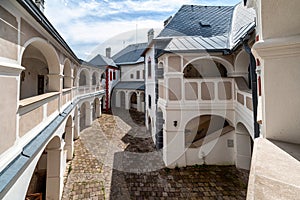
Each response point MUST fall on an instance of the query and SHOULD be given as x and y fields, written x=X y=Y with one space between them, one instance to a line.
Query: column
x=89 y=115
x=77 y=124
x=139 y=103
x=118 y=99
x=127 y=105
x=98 y=109
x=55 y=82
x=54 y=181
x=69 y=146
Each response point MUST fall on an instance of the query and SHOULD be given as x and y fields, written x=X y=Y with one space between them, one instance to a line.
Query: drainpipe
x=253 y=76
x=107 y=89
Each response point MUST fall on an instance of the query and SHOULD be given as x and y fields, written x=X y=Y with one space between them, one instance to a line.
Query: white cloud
x=82 y=22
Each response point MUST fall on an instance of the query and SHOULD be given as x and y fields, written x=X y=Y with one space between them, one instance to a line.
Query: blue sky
x=89 y=26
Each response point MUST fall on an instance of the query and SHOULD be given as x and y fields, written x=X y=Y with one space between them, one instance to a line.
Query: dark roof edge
x=35 y=12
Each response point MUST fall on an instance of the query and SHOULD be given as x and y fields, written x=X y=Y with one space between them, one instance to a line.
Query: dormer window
x=205 y=24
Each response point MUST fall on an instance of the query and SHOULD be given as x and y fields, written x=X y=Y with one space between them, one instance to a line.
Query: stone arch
x=241 y=64
x=54 y=182
x=211 y=60
x=244 y=146
x=67 y=72
x=85 y=115
x=95 y=78
x=84 y=77
x=42 y=69
x=133 y=100
x=198 y=128
x=69 y=137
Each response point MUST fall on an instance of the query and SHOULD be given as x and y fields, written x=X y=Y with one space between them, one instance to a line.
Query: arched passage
x=120 y=99
x=95 y=79
x=84 y=78
x=244 y=146
x=97 y=108
x=54 y=183
x=133 y=100
x=242 y=64
x=69 y=137
x=86 y=115
x=204 y=68
x=67 y=81
x=206 y=125
x=42 y=69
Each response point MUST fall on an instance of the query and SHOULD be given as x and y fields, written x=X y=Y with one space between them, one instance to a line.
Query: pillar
x=54 y=181
x=55 y=82
x=118 y=99
x=174 y=148
x=89 y=115
x=127 y=104
x=98 y=109
x=139 y=103
x=77 y=124
x=69 y=146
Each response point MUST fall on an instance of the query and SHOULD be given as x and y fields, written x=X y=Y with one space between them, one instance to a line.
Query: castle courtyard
x=115 y=158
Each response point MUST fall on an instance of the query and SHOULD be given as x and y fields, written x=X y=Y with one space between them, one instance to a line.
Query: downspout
x=253 y=76
x=107 y=89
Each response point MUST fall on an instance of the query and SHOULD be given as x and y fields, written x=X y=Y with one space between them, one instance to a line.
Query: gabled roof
x=195 y=20
x=130 y=55
x=102 y=61
x=208 y=28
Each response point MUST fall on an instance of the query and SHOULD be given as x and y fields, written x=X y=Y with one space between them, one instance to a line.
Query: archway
x=241 y=64
x=122 y=97
x=97 y=108
x=244 y=146
x=83 y=78
x=204 y=68
x=42 y=69
x=86 y=115
x=54 y=183
x=67 y=80
x=133 y=101
x=202 y=126
x=69 y=137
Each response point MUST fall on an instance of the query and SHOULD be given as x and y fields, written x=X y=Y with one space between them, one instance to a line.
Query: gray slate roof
x=131 y=85
x=130 y=55
x=209 y=28
x=102 y=61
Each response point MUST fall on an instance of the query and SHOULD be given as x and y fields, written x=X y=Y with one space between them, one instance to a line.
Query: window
x=110 y=75
x=149 y=68
x=131 y=76
x=143 y=74
x=114 y=75
x=149 y=101
x=137 y=74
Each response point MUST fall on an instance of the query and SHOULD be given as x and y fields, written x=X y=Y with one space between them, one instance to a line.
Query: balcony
x=206 y=92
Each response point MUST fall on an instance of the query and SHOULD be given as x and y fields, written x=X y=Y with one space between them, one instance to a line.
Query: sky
x=90 y=26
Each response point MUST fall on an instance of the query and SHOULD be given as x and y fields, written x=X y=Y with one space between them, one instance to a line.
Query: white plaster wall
x=150 y=90
x=215 y=152
x=127 y=70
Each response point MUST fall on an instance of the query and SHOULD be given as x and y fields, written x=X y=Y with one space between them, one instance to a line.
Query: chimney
x=150 y=35
x=167 y=21
x=108 y=52
x=40 y=4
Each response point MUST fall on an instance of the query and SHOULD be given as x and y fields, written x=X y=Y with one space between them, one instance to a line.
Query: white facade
x=47 y=97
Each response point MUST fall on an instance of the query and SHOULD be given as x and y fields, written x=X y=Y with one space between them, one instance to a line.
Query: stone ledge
x=274 y=172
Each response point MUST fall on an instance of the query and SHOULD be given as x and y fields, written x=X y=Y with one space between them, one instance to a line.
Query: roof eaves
x=35 y=12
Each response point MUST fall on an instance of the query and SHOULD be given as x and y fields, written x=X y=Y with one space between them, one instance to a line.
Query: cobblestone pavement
x=116 y=159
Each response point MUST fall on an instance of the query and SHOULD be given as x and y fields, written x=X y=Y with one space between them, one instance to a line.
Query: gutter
x=10 y=175
x=253 y=76
x=35 y=12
